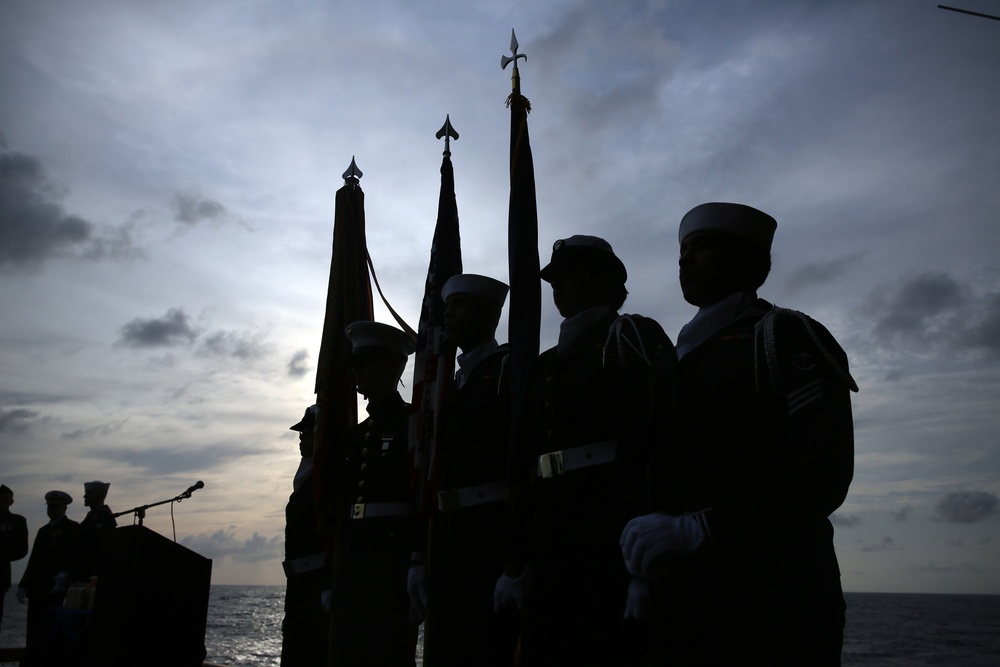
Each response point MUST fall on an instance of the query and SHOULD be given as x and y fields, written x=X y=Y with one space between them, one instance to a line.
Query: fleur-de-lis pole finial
x=449 y=133
x=515 y=77
x=353 y=175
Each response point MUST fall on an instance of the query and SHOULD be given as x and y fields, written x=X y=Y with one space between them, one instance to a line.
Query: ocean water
x=883 y=629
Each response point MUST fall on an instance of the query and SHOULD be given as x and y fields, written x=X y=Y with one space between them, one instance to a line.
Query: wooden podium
x=152 y=601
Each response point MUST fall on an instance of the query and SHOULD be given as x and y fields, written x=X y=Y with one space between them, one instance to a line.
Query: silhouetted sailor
x=305 y=628
x=47 y=575
x=744 y=549
x=599 y=404
x=93 y=529
x=369 y=601
x=464 y=558
x=13 y=540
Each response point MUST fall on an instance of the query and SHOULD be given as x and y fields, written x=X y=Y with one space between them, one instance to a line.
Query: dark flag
x=348 y=299
x=434 y=362
x=522 y=257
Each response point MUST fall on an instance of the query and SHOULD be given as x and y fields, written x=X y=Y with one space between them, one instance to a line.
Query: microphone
x=197 y=485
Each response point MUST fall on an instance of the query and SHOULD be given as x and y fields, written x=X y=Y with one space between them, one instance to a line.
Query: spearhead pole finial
x=353 y=175
x=515 y=76
x=449 y=133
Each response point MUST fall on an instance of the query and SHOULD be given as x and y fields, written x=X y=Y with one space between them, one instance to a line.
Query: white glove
x=22 y=593
x=647 y=538
x=637 y=604
x=512 y=591
x=326 y=599
x=416 y=586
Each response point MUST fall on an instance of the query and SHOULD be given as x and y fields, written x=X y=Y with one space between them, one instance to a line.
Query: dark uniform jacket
x=768 y=451
x=613 y=384
x=93 y=531
x=51 y=553
x=372 y=553
x=304 y=630
x=464 y=552
x=13 y=545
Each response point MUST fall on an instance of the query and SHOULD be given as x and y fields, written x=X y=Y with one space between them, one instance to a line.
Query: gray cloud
x=912 y=310
x=935 y=311
x=984 y=332
x=885 y=545
x=822 y=272
x=191 y=208
x=34 y=226
x=221 y=544
x=298 y=365
x=101 y=430
x=172 y=329
x=903 y=513
x=175 y=460
x=241 y=345
x=16 y=420
x=967 y=506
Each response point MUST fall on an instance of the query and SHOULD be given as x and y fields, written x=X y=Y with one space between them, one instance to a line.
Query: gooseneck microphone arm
x=140 y=512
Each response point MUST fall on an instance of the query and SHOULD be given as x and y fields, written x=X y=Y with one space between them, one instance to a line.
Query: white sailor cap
x=366 y=335
x=58 y=497
x=90 y=487
x=481 y=286
x=740 y=220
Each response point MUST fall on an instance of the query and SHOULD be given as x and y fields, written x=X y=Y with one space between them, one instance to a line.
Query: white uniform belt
x=470 y=496
x=379 y=510
x=304 y=564
x=556 y=464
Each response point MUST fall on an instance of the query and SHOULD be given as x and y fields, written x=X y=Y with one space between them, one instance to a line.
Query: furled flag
x=434 y=363
x=522 y=257
x=348 y=299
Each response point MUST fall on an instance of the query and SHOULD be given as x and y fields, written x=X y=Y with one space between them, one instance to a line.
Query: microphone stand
x=140 y=512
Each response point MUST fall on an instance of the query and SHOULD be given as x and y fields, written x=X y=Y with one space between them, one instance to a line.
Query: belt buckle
x=551 y=465
x=448 y=500
x=358 y=511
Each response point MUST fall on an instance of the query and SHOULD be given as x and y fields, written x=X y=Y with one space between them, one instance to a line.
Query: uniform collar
x=710 y=319
x=467 y=361
x=387 y=405
x=572 y=328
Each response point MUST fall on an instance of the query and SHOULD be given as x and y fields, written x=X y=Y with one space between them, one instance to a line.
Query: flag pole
x=524 y=320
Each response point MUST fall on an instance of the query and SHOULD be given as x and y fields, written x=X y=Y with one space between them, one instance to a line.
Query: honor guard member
x=598 y=406
x=13 y=541
x=743 y=550
x=464 y=552
x=369 y=601
x=94 y=529
x=305 y=628
x=47 y=575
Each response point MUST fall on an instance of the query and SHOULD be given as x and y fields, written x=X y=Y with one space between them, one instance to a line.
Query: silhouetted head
x=378 y=357
x=724 y=248
x=585 y=272
x=472 y=309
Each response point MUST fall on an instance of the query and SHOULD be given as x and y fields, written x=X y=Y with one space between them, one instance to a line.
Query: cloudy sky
x=167 y=180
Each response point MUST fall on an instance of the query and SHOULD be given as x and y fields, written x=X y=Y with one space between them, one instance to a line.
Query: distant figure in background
x=305 y=628
x=598 y=407
x=93 y=529
x=369 y=603
x=13 y=540
x=464 y=539
x=47 y=575
x=742 y=552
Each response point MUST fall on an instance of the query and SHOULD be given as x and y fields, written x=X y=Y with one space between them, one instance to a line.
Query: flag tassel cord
x=399 y=320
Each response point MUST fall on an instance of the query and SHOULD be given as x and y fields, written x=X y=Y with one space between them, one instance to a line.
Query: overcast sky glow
x=167 y=180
